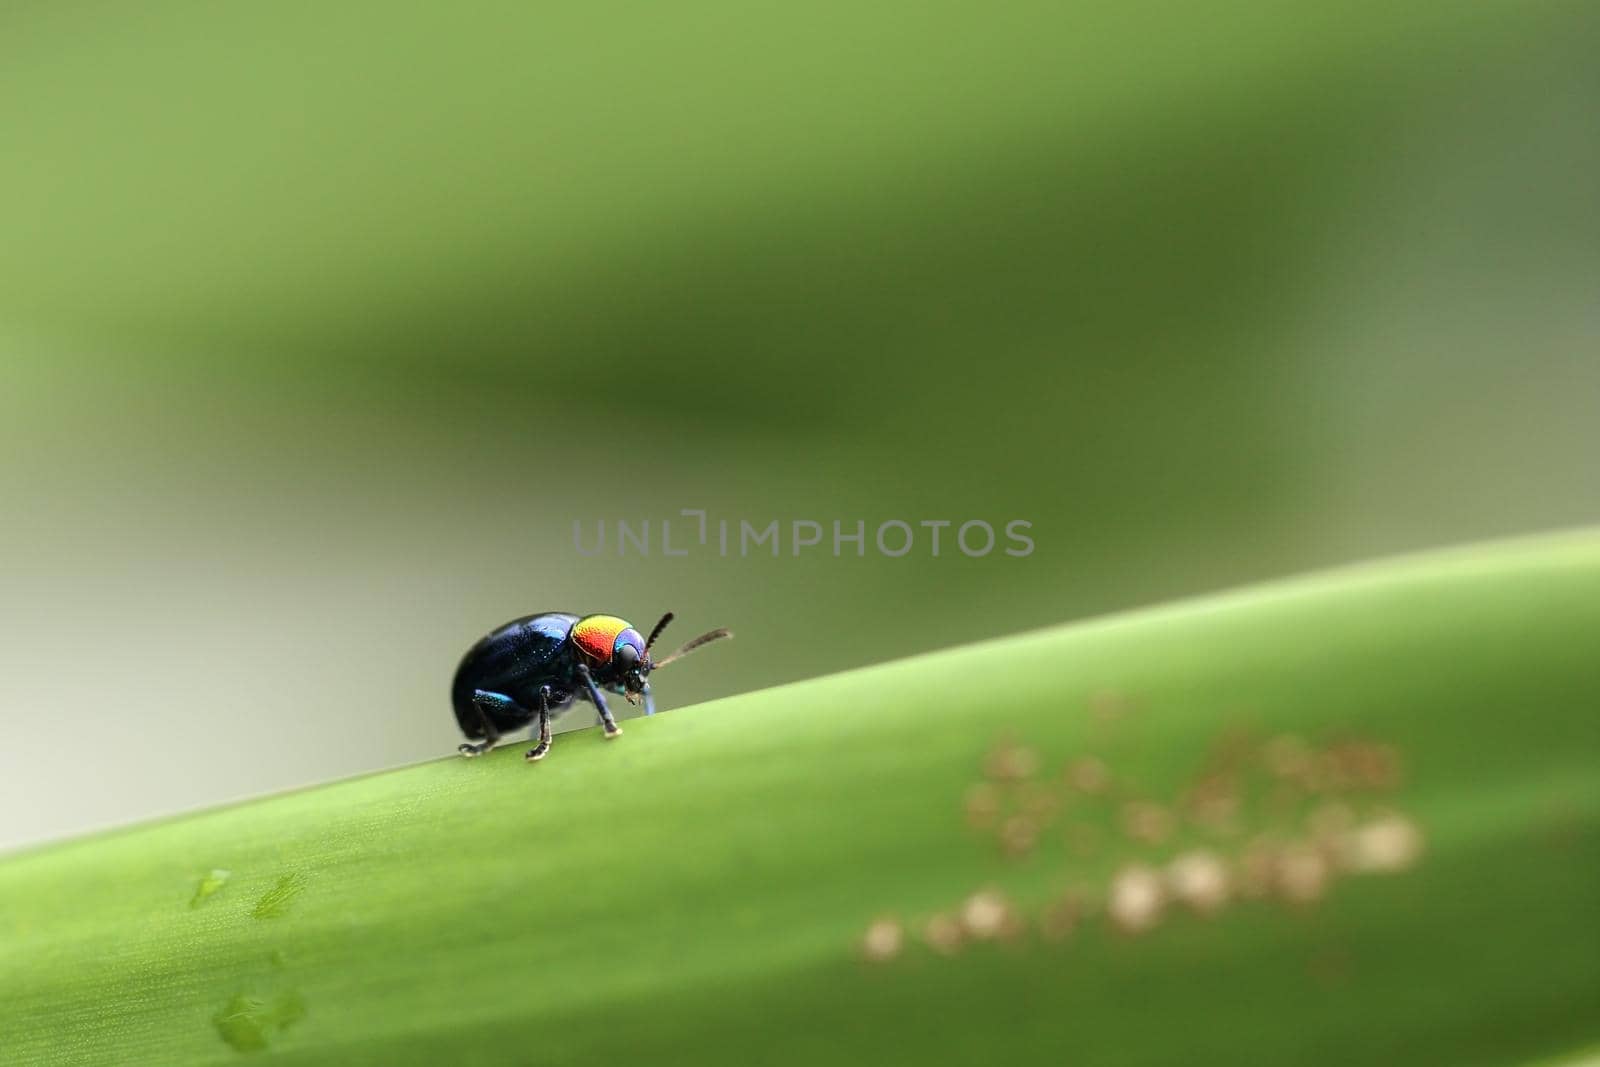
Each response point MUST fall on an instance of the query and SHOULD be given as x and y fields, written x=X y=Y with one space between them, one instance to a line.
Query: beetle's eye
x=627 y=657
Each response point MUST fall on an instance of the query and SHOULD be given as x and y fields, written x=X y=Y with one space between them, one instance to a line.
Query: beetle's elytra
x=532 y=669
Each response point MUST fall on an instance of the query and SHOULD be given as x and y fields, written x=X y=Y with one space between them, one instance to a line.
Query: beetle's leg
x=483 y=700
x=612 y=729
x=537 y=752
x=649 y=701
x=616 y=688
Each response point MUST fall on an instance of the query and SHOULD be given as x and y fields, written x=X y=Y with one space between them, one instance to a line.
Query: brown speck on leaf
x=1233 y=749
x=987 y=916
x=1018 y=835
x=1136 y=898
x=1287 y=756
x=1147 y=821
x=1389 y=843
x=1108 y=705
x=1217 y=816
x=1011 y=762
x=1329 y=822
x=1302 y=873
x=1213 y=804
x=983 y=806
x=1364 y=765
x=883 y=940
x=1375 y=766
x=1199 y=879
x=1088 y=776
x=943 y=934
x=1387 y=769
x=1257 y=869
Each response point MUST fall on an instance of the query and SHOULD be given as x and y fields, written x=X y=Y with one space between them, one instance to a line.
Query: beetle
x=531 y=669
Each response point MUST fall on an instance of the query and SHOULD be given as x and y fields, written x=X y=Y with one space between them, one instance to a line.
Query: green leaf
x=1352 y=818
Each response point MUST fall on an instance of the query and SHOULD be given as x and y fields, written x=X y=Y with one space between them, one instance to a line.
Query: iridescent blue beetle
x=533 y=668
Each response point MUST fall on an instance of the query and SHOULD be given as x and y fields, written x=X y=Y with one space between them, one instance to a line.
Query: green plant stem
x=697 y=890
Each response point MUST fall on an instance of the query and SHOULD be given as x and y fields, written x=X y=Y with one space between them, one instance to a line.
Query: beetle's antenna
x=703 y=639
x=662 y=625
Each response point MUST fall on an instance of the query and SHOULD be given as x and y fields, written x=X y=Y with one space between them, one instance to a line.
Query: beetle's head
x=630 y=663
x=614 y=651
x=619 y=657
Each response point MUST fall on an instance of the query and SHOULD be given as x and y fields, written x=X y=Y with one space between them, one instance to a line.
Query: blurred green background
x=319 y=327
